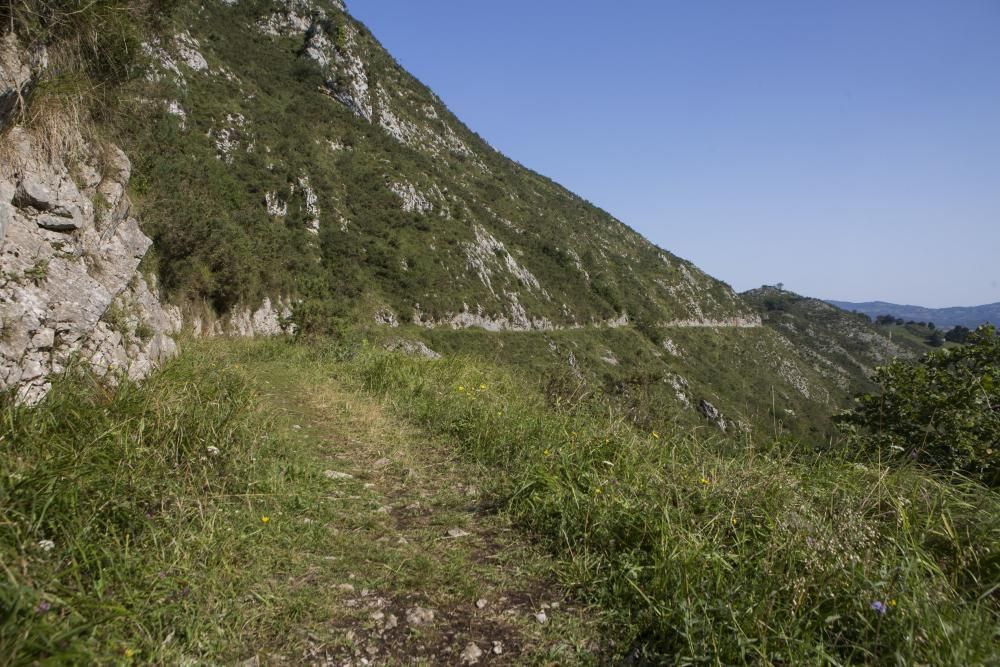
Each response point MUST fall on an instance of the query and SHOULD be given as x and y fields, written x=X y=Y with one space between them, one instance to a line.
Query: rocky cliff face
x=69 y=252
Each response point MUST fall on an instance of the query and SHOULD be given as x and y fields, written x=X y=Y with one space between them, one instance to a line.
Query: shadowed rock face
x=69 y=257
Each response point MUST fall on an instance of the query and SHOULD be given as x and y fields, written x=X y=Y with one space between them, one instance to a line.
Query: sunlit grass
x=707 y=553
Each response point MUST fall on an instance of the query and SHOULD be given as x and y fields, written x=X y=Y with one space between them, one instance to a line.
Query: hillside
x=281 y=154
x=296 y=369
x=280 y=151
x=945 y=318
x=844 y=347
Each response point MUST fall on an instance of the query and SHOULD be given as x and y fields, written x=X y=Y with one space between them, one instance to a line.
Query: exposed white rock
x=232 y=137
x=615 y=322
x=269 y=319
x=68 y=277
x=295 y=17
x=162 y=64
x=467 y=319
x=671 y=347
x=414 y=347
x=187 y=47
x=398 y=128
x=712 y=414
x=356 y=95
x=312 y=205
x=174 y=108
x=681 y=389
x=276 y=207
x=413 y=200
x=487 y=254
x=739 y=322
x=386 y=317
x=437 y=138
x=578 y=263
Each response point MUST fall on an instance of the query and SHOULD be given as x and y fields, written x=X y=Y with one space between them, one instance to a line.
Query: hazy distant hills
x=966 y=316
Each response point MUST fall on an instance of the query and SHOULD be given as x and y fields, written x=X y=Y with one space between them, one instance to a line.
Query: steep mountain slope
x=292 y=175
x=284 y=152
x=844 y=347
x=966 y=316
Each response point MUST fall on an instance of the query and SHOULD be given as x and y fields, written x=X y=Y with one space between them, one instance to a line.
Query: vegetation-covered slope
x=843 y=347
x=281 y=151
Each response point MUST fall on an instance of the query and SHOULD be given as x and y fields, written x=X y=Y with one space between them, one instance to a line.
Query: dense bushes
x=943 y=410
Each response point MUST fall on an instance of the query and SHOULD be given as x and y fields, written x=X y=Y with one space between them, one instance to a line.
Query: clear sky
x=847 y=148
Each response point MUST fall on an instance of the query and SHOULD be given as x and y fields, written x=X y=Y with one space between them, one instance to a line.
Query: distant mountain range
x=966 y=316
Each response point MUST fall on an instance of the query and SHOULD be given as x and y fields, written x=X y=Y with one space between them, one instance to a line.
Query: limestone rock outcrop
x=69 y=256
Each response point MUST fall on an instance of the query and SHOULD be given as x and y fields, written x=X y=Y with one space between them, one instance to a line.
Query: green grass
x=913 y=334
x=160 y=552
x=152 y=499
x=707 y=554
x=689 y=549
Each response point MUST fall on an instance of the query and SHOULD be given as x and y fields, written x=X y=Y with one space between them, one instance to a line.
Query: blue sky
x=849 y=149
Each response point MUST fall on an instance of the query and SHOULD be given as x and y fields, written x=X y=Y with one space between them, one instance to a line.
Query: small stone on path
x=381 y=463
x=541 y=617
x=471 y=654
x=345 y=588
x=497 y=648
x=333 y=474
x=457 y=532
x=419 y=616
x=481 y=603
x=391 y=622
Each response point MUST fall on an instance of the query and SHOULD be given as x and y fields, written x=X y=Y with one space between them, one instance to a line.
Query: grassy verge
x=715 y=556
x=145 y=523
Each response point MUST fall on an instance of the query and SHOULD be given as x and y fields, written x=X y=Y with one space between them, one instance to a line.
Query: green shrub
x=943 y=409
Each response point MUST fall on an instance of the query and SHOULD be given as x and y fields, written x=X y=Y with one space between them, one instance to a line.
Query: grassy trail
x=410 y=532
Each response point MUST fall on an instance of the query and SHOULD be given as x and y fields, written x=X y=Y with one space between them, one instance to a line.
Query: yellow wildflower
x=656 y=435
x=547 y=453
x=598 y=490
x=129 y=653
x=461 y=388
x=265 y=519
x=705 y=481
x=482 y=386
x=892 y=603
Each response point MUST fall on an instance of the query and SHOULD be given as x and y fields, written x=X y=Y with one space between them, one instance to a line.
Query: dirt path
x=413 y=567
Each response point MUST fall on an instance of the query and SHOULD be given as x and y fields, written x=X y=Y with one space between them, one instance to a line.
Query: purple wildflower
x=879 y=607
x=42 y=607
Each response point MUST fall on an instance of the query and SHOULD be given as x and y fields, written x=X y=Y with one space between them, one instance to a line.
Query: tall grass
x=706 y=555
x=128 y=517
